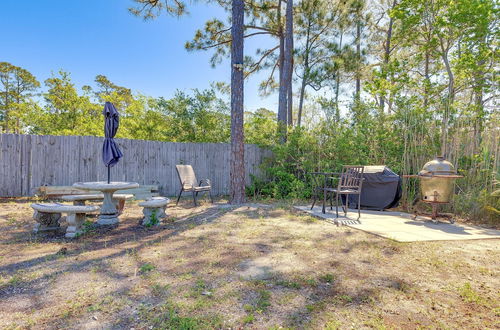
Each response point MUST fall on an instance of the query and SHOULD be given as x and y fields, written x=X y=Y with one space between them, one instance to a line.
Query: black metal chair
x=322 y=184
x=350 y=183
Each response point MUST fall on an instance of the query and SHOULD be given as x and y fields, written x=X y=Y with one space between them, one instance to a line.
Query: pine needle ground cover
x=255 y=267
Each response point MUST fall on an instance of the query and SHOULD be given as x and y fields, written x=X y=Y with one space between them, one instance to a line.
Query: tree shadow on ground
x=319 y=294
x=115 y=237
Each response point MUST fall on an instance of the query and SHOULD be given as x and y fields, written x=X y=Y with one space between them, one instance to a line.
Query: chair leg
x=194 y=198
x=359 y=206
x=346 y=204
x=180 y=193
x=315 y=195
x=344 y=207
x=210 y=194
x=324 y=201
x=331 y=201
x=337 y=204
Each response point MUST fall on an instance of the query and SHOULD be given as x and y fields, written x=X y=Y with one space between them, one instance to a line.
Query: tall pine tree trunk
x=6 y=103
x=337 y=82
x=449 y=100
x=301 y=97
x=283 y=90
x=305 y=75
x=357 y=94
x=387 y=53
x=479 y=109
x=18 y=92
x=289 y=101
x=289 y=59
x=237 y=146
x=427 y=79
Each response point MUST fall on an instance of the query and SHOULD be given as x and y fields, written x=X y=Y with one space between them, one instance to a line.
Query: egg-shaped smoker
x=437 y=179
x=437 y=182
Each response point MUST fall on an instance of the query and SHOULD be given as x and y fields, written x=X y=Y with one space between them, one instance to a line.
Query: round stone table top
x=105 y=186
x=63 y=208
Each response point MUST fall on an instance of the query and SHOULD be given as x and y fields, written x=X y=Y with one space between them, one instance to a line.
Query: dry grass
x=195 y=272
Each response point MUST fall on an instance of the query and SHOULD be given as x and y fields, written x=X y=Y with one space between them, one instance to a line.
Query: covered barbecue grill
x=381 y=189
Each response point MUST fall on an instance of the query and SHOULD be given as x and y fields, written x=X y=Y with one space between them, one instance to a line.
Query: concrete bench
x=154 y=210
x=119 y=199
x=47 y=216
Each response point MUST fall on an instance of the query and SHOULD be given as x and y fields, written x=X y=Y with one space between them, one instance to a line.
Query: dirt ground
x=255 y=267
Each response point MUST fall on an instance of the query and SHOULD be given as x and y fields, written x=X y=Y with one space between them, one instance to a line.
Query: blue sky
x=91 y=37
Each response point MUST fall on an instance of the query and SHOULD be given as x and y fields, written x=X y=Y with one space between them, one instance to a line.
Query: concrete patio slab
x=401 y=226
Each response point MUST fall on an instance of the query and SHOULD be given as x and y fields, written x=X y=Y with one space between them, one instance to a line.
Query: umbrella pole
x=108 y=173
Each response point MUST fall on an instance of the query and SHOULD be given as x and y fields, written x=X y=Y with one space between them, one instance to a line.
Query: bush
x=328 y=146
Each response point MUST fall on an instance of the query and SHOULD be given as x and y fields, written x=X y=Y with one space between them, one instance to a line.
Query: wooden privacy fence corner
x=28 y=162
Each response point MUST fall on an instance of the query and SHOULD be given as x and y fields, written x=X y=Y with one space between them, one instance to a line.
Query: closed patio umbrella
x=111 y=154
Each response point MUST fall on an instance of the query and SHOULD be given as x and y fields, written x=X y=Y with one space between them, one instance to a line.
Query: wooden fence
x=30 y=161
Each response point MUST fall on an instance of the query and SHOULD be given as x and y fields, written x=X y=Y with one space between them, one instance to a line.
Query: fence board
x=30 y=161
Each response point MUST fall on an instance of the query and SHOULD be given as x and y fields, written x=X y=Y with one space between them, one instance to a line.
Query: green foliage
x=328 y=278
x=480 y=203
x=264 y=301
x=249 y=318
x=153 y=219
x=468 y=294
x=148 y=9
x=65 y=111
x=289 y=284
x=159 y=290
x=201 y=116
x=333 y=325
x=147 y=267
x=199 y=287
x=325 y=147
x=167 y=316
x=403 y=141
x=17 y=86
x=260 y=127
x=285 y=172
x=87 y=227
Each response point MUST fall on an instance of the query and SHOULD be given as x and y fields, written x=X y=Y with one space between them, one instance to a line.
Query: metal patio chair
x=189 y=183
x=322 y=187
x=350 y=183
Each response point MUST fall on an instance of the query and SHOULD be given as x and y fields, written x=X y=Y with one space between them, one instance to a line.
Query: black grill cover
x=381 y=189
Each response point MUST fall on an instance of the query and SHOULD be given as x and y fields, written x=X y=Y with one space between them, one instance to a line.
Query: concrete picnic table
x=109 y=213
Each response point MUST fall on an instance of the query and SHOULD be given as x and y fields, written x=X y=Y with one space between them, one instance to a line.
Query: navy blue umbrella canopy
x=111 y=154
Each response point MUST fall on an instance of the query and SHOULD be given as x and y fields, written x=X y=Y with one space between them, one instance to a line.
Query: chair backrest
x=186 y=175
x=352 y=177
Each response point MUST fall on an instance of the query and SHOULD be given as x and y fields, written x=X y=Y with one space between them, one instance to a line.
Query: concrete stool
x=47 y=213
x=154 y=210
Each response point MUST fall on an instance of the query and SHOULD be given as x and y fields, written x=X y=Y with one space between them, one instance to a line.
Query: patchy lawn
x=252 y=267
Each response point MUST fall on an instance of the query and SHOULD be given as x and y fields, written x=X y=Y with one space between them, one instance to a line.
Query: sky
x=91 y=37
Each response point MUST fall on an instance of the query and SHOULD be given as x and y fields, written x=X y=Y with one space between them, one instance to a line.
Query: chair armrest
x=205 y=182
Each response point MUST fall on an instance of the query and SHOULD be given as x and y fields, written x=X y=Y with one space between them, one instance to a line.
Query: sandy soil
x=256 y=267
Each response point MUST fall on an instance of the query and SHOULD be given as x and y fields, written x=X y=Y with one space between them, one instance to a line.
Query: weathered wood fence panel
x=30 y=161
